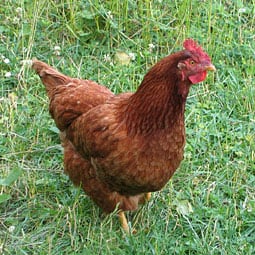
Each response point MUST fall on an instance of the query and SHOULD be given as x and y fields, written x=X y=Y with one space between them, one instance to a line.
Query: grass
x=209 y=205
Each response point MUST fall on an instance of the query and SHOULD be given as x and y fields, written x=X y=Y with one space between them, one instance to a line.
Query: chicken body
x=120 y=147
x=129 y=164
x=70 y=99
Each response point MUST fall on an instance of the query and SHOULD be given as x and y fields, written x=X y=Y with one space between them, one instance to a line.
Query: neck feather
x=159 y=102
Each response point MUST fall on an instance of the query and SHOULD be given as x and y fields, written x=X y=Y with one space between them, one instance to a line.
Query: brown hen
x=120 y=148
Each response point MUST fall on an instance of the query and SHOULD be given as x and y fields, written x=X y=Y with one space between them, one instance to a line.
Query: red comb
x=194 y=48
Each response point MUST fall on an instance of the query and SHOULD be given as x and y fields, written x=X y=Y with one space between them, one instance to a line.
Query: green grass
x=209 y=205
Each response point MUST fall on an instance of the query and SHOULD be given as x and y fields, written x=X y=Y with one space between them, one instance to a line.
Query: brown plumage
x=121 y=147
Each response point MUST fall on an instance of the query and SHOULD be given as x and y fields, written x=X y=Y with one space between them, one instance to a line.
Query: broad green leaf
x=122 y=58
x=184 y=207
x=54 y=129
x=11 y=178
x=4 y=197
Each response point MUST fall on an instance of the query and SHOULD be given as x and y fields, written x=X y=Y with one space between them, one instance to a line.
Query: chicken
x=120 y=148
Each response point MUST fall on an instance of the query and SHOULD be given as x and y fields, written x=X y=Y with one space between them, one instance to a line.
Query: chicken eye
x=192 y=62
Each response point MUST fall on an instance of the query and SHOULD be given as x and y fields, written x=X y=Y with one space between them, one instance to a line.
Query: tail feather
x=49 y=76
x=69 y=97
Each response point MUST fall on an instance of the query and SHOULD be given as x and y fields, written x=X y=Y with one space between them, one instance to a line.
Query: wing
x=75 y=98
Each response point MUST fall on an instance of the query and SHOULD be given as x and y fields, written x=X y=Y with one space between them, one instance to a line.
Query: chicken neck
x=158 y=104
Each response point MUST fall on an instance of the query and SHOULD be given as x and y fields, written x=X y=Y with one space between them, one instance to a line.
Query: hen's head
x=195 y=66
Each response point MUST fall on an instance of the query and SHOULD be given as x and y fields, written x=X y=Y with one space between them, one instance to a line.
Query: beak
x=210 y=67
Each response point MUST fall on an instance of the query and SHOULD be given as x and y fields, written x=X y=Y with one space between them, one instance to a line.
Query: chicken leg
x=123 y=222
x=123 y=219
x=147 y=196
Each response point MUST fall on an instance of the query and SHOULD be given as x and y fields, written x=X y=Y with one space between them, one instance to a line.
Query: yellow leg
x=123 y=222
x=147 y=196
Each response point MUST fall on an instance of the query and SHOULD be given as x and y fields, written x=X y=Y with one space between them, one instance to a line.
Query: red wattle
x=197 y=77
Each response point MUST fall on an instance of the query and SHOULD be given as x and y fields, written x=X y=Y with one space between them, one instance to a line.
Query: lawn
x=208 y=207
